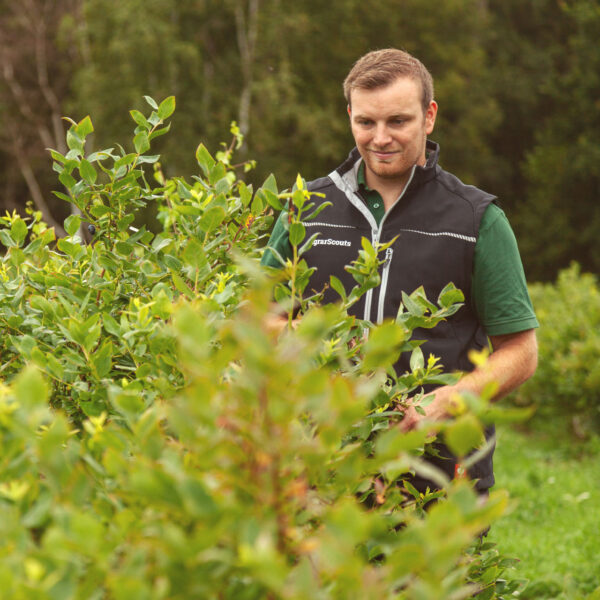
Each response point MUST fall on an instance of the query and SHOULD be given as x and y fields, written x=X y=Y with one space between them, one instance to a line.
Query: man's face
x=390 y=129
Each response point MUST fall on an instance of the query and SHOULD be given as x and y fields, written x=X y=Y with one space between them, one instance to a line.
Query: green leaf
x=101 y=155
x=182 y=286
x=223 y=186
x=141 y=142
x=18 y=231
x=54 y=366
x=298 y=199
x=414 y=308
x=464 y=434
x=416 y=359
x=297 y=233
x=99 y=210
x=270 y=184
x=124 y=223
x=67 y=180
x=172 y=262
x=195 y=255
x=111 y=325
x=102 y=359
x=218 y=171
x=57 y=156
x=166 y=108
x=48 y=236
x=74 y=142
x=308 y=244
x=212 y=218
x=125 y=160
x=272 y=199
x=91 y=329
x=124 y=248
x=197 y=499
x=149 y=159
x=151 y=102
x=84 y=127
x=75 y=251
x=31 y=389
x=337 y=285
x=450 y=295
x=315 y=213
x=6 y=238
x=245 y=193
x=205 y=160
x=383 y=346
x=158 y=132
x=131 y=406
x=72 y=224
x=154 y=119
x=87 y=171
x=139 y=118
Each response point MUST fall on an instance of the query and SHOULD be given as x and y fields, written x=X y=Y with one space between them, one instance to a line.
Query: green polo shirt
x=499 y=290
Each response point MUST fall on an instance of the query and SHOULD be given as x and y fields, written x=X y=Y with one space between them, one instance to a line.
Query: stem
x=293 y=294
x=275 y=475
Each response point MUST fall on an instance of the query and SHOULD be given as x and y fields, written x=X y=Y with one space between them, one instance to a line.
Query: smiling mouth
x=383 y=155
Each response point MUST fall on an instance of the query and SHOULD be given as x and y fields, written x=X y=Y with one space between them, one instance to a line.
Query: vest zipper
x=384 y=283
x=375 y=234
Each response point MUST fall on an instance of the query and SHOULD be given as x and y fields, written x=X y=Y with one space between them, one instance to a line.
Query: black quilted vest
x=436 y=221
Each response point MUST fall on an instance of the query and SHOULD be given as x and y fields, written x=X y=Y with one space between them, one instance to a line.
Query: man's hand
x=436 y=410
x=513 y=361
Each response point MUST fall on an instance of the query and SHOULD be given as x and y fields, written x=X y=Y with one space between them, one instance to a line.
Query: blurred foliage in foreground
x=159 y=441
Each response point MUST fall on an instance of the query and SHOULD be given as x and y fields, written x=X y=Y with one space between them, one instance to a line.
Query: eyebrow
x=395 y=116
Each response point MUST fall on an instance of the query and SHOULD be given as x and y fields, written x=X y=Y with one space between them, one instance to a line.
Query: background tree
x=35 y=68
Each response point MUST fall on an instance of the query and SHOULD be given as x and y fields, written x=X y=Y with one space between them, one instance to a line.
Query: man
x=391 y=186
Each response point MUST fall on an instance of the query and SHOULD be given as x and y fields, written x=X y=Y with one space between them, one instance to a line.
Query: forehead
x=402 y=95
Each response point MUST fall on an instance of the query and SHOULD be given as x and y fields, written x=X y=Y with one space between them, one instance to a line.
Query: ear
x=430 y=115
x=349 y=110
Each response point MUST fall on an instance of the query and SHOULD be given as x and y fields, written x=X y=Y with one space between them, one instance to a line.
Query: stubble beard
x=387 y=171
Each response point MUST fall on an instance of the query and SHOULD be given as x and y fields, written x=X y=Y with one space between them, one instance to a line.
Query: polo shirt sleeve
x=280 y=241
x=500 y=296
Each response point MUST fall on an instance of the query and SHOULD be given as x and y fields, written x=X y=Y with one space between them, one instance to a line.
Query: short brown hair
x=382 y=67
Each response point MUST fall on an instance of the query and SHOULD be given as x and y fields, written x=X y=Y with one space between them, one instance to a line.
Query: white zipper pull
x=388 y=256
x=384 y=282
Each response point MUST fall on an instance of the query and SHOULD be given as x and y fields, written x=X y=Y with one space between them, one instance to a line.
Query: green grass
x=554 y=526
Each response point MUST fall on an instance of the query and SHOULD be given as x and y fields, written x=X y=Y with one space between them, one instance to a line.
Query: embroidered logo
x=330 y=242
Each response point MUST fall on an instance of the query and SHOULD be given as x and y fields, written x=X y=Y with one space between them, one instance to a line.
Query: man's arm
x=512 y=362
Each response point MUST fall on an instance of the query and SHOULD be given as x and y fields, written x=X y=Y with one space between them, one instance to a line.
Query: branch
x=247 y=32
x=21 y=101
x=33 y=185
x=41 y=63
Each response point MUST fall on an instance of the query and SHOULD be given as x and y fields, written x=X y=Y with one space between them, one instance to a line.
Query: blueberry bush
x=160 y=440
x=567 y=382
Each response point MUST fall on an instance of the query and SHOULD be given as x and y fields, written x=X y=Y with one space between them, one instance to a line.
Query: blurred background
x=518 y=84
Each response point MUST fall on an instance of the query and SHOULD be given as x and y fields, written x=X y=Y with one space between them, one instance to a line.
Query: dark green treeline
x=517 y=83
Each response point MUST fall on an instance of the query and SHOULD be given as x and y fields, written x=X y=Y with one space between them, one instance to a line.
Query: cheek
x=360 y=138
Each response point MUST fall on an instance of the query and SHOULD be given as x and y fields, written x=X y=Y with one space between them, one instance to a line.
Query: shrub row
x=567 y=381
x=159 y=441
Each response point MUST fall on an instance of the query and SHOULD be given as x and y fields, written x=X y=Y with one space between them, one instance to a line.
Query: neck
x=389 y=189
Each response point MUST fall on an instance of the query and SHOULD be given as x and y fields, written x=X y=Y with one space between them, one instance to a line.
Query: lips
x=383 y=155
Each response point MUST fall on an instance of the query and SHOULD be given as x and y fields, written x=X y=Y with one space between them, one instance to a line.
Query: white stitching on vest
x=317 y=224
x=466 y=238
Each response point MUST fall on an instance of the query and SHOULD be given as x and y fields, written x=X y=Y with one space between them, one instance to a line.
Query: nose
x=382 y=136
